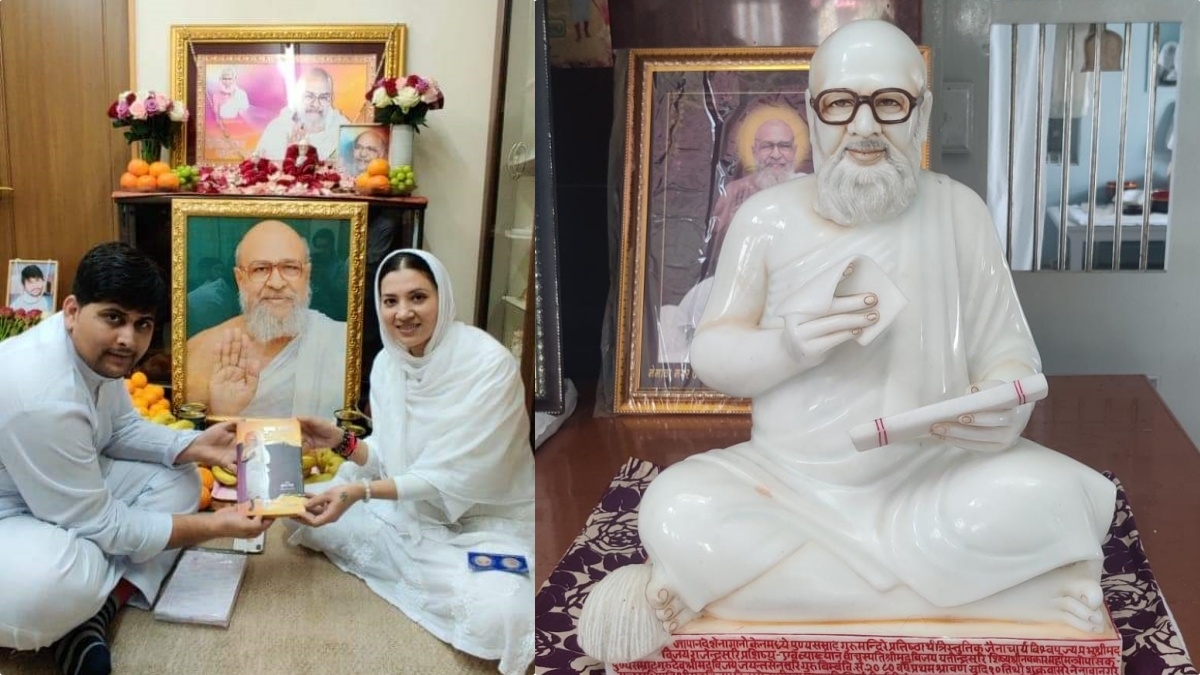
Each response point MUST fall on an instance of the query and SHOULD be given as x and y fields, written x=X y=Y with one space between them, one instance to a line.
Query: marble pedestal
x=942 y=648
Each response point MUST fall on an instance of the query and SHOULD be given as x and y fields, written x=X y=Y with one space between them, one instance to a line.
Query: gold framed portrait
x=244 y=86
x=267 y=305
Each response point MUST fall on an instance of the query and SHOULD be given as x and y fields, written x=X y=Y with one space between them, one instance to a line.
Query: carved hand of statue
x=809 y=340
x=985 y=431
x=234 y=378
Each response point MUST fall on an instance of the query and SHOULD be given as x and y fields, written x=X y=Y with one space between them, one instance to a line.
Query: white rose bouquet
x=405 y=100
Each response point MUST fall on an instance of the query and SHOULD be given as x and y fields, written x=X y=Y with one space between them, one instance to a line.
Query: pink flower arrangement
x=16 y=321
x=300 y=174
x=405 y=100
x=152 y=118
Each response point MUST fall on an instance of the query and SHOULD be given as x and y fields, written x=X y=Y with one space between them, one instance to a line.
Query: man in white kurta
x=92 y=496
x=969 y=521
x=74 y=518
x=278 y=358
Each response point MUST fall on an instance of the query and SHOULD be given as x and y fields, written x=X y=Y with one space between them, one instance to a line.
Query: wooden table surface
x=1116 y=423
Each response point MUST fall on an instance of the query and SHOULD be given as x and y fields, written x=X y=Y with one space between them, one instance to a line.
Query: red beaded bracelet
x=348 y=445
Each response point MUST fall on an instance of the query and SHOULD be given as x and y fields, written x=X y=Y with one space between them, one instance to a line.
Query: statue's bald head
x=873 y=50
x=867 y=107
x=864 y=57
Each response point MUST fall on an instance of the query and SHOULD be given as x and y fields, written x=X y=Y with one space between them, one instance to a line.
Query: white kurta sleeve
x=49 y=453
x=412 y=488
x=409 y=487
x=134 y=438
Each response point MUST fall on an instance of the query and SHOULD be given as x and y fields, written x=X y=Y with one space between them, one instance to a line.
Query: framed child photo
x=32 y=284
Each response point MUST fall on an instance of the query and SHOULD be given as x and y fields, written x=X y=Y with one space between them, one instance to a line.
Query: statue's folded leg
x=707 y=533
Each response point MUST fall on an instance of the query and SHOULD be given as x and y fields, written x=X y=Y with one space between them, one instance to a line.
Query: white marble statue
x=968 y=522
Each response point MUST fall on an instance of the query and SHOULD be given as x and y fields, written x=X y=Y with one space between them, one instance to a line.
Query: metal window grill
x=1074 y=243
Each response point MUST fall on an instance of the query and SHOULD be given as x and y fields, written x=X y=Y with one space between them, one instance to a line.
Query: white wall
x=1096 y=323
x=452 y=42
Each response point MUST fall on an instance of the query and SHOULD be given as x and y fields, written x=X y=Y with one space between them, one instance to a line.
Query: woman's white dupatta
x=454 y=417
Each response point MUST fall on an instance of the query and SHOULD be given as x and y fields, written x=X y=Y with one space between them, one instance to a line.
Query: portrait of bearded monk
x=279 y=357
x=773 y=154
x=776 y=152
x=969 y=522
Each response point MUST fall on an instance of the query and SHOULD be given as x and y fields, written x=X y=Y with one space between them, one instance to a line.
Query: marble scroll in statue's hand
x=985 y=418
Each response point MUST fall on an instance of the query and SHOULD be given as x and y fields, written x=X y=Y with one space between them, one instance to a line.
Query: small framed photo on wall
x=32 y=284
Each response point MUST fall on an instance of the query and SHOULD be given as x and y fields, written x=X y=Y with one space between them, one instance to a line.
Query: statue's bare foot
x=667 y=607
x=1082 y=606
x=619 y=623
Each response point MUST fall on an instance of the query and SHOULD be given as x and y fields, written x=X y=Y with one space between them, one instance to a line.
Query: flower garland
x=301 y=173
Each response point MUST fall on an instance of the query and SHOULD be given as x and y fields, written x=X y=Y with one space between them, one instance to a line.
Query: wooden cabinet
x=62 y=62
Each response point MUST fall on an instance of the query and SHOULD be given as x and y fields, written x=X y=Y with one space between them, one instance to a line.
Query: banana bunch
x=222 y=476
x=321 y=466
x=169 y=420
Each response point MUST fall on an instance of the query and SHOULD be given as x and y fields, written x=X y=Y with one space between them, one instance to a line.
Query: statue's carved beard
x=263 y=326
x=850 y=194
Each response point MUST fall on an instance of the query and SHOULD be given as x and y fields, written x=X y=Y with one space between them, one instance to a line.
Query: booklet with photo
x=270 y=478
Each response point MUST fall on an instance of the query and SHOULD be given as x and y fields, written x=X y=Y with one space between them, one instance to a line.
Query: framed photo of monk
x=358 y=144
x=706 y=129
x=254 y=90
x=267 y=305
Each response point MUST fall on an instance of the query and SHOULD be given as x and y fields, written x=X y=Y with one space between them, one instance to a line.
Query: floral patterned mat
x=1152 y=643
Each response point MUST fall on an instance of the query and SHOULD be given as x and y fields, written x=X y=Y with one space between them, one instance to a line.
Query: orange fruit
x=379 y=183
x=168 y=181
x=205 y=497
x=147 y=183
x=142 y=410
x=206 y=476
x=138 y=167
x=378 y=167
x=139 y=379
x=128 y=181
x=159 y=168
x=362 y=182
x=129 y=386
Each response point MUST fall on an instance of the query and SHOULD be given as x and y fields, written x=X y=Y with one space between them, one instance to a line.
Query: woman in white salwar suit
x=447 y=470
